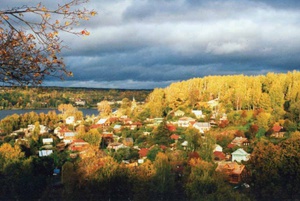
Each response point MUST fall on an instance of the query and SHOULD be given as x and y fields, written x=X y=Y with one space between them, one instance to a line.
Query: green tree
x=193 y=136
x=207 y=144
x=161 y=135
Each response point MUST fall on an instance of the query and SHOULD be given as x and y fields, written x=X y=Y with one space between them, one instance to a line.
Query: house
x=116 y=146
x=174 y=137
x=43 y=129
x=218 y=148
x=171 y=127
x=70 y=120
x=239 y=141
x=213 y=103
x=117 y=128
x=47 y=143
x=143 y=152
x=185 y=144
x=233 y=172
x=69 y=137
x=219 y=155
x=133 y=125
x=47 y=140
x=158 y=120
x=240 y=155
x=178 y=113
x=276 y=131
x=104 y=122
x=198 y=114
x=202 y=126
x=78 y=145
x=185 y=122
x=60 y=132
x=43 y=153
x=80 y=102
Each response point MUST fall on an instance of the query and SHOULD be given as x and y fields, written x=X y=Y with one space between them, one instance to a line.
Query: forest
x=51 y=97
x=264 y=110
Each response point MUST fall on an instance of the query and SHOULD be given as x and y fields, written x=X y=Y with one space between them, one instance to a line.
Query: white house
x=240 y=155
x=198 y=113
x=179 y=113
x=47 y=140
x=70 y=120
x=202 y=126
x=102 y=121
x=45 y=153
x=218 y=148
x=185 y=121
x=116 y=146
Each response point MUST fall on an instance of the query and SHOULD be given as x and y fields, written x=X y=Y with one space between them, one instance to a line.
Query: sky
x=146 y=44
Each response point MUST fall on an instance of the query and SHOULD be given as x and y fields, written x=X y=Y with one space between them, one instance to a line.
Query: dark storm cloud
x=151 y=43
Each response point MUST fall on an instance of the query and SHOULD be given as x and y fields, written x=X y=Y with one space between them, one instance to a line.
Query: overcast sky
x=151 y=43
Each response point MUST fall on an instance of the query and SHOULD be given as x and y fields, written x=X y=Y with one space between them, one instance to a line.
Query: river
x=4 y=113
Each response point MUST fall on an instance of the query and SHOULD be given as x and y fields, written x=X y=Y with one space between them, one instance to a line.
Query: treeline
x=278 y=94
x=51 y=97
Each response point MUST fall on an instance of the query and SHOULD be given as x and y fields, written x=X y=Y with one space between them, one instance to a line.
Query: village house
x=117 y=128
x=133 y=125
x=79 y=147
x=43 y=153
x=60 y=132
x=47 y=143
x=174 y=137
x=185 y=122
x=198 y=114
x=70 y=120
x=69 y=137
x=202 y=127
x=43 y=129
x=178 y=113
x=276 y=131
x=158 y=120
x=80 y=102
x=103 y=122
x=116 y=146
x=239 y=141
x=143 y=152
x=213 y=104
x=240 y=155
x=185 y=144
x=218 y=153
x=233 y=172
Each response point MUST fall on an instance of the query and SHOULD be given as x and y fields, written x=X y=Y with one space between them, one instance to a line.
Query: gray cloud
x=147 y=44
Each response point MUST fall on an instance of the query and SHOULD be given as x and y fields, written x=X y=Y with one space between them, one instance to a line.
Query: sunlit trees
x=67 y=110
x=104 y=108
x=126 y=106
x=93 y=137
x=29 y=40
x=156 y=103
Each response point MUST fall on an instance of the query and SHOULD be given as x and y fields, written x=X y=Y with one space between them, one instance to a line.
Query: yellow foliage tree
x=30 y=42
